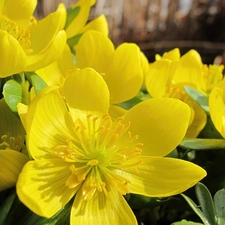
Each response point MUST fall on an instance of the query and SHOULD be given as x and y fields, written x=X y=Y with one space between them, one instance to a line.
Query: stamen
x=22 y=36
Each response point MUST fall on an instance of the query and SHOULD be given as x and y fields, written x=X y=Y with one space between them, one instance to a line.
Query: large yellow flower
x=11 y=142
x=27 y=44
x=79 y=151
x=168 y=76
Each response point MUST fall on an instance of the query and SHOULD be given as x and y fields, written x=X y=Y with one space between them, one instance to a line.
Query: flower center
x=22 y=36
x=179 y=93
x=100 y=153
x=9 y=142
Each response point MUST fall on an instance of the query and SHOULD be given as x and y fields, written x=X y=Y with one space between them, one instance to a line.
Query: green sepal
x=198 y=97
x=136 y=201
x=219 y=201
x=202 y=144
x=13 y=94
x=185 y=222
x=71 y=15
x=206 y=202
x=74 y=40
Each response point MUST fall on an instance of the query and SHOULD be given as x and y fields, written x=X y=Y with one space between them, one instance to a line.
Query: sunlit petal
x=161 y=177
x=82 y=97
x=160 y=124
x=102 y=209
x=41 y=142
x=41 y=190
x=98 y=54
x=125 y=76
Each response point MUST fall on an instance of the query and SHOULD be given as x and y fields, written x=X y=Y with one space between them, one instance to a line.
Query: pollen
x=99 y=153
x=21 y=35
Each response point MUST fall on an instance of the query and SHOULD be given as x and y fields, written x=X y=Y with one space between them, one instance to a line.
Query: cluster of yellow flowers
x=64 y=132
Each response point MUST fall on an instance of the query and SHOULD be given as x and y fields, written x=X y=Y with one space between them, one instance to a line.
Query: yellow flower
x=20 y=35
x=79 y=151
x=11 y=143
x=168 y=76
x=121 y=68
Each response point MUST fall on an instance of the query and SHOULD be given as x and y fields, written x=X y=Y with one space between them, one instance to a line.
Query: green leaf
x=196 y=209
x=185 y=222
x=71 y=15
x=197 y=96
x=205 y=200
x=219 y=201
x=74 y=40
x=36 y=81
x=203 y=144
x=21 y=215
x=13 y=94
x=6 y=205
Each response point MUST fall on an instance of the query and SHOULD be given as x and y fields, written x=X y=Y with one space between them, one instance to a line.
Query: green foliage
x=197 y=96
x=211 y=210
x=71 y=15
x=13 y=94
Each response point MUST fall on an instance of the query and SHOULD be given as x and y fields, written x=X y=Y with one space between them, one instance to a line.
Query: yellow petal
x=198 y=122
x=217 y=109
x=161 y=177
x=11 y=163
x=12 y=58
x=51 y=54
x=80 y=20
x=48 y=124
x=102 y=209
x=86 y=93
x=22 y=111
x=125 y=76
x=99 y=24
x=160 y=124
x=116 y=111
x=190 y=69
x=157 y=78
x=46 y=30
x=55 y=73
x=97 y=54
x=19 y=11
x=41 y=186
x=173 y=55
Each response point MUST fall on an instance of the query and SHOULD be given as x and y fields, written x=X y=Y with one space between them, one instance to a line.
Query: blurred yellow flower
x=168 y=76
x=20 y=35
x=79 y=151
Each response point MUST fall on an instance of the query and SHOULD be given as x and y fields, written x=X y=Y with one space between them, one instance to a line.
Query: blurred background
x=161 y=25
